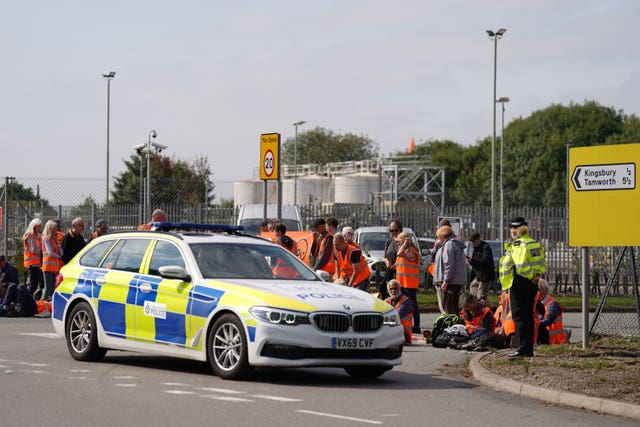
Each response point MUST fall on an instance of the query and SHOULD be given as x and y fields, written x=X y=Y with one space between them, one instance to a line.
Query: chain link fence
x=362 y=205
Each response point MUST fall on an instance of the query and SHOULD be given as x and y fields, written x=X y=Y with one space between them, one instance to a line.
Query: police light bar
x=187 y=226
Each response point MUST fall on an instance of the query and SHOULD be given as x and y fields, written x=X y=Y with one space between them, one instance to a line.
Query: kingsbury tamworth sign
x=604 y=196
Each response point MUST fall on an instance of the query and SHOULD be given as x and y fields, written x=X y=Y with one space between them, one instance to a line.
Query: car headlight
x=391 y=318
x=279 y=316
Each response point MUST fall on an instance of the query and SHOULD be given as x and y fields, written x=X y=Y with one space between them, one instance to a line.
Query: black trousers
x=523 y=297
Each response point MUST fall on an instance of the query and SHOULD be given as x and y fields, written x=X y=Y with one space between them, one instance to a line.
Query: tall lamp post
x=502 y=101
x=295 y=162
x=494 y=36
x=152 y=134
x=110 y=75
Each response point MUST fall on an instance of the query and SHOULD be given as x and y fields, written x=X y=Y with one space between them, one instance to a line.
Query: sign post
x=270 y=166
x=603 y=194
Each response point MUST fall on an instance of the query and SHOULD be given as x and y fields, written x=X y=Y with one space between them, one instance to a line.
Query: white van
x=251 y=215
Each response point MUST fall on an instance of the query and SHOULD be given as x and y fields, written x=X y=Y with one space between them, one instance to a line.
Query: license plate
x=339 y=343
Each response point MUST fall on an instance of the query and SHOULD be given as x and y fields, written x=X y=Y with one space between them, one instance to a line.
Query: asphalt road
x=40 y=384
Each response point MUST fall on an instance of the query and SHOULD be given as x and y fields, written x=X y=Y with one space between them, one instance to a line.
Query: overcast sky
x=211 y=76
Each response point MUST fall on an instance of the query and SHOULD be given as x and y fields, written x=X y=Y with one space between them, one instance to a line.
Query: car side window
x=93 y=257
x=165 y=253
x=127 y=255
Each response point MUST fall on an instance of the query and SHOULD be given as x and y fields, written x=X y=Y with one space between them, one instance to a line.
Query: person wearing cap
x=323 y=247
x=101 y=229
x=520 y=270
x=348 y=233
x=482 y=267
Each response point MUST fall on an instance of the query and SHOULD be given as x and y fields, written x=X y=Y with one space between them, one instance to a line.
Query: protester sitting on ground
x=404 y=307
x=18 y=302
x=480 y=324
x=8 y=275
x=551 y=330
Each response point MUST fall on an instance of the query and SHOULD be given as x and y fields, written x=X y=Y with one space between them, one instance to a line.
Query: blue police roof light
x=187 y=226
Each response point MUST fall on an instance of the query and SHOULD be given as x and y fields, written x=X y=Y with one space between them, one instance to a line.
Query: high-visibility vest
x=525 y=257
x=330 y=266
x=345 y=267
x=49 y=263
x=59 y=237
x=145 y=227
x=43 y=305
x=32 y=259
x=556 y=328
x=508 y=325
x=474 y=324
x=406 y=320
x=408 y=272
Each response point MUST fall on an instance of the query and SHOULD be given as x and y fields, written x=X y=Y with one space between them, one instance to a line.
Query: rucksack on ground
x=441 y=323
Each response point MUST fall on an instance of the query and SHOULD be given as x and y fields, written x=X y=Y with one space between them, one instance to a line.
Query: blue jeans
x=412 y=293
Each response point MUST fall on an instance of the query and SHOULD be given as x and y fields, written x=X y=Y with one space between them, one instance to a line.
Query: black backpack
x=442 y=323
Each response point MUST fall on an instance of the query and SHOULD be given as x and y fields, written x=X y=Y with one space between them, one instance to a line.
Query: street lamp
x=295 y=162
x=502 y=101
x=110 y=75
x=494 y=36
x=153 y=134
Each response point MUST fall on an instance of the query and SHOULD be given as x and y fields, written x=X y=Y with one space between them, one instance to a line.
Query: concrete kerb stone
x=596 y=404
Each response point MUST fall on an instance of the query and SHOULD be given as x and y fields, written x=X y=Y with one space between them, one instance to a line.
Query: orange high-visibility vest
x=49 y=263
x=32 y=259
x=556 y=329
x=474 y=324
x=508 y=324
x=330 y=266
x=408 y=272
x=345 y=268
x=407 y=320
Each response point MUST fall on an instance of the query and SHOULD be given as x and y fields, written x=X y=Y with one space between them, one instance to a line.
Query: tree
x=172 y=181
x=322 y=146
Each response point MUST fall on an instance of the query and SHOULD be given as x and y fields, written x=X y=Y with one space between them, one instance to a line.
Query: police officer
x=520 y=269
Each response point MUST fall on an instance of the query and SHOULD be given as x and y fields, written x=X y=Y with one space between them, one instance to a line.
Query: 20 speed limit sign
x=269 y=152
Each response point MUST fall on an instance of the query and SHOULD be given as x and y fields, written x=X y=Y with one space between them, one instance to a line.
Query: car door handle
x=100 y=280
x=145 y=287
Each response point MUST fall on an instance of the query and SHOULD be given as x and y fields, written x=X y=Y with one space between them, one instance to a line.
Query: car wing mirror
x=174 y=272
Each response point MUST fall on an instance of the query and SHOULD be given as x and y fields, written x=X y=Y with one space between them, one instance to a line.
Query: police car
x=209 y=293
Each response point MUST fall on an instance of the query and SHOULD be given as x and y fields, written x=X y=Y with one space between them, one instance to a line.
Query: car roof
x=381 y=228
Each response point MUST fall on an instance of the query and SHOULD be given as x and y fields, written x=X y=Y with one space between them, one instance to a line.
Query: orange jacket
x=407 y=319
x=32 y=251
x=556 y=328
x=50 y=263
x=330 y=266
x=345 y=267
x=408 y=272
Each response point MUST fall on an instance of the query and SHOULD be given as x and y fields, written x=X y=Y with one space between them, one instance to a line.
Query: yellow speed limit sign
x=269 y=156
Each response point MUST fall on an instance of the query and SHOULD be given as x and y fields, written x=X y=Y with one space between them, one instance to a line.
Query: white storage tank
x=252 y=192
x=314 y=189
x=356 y=188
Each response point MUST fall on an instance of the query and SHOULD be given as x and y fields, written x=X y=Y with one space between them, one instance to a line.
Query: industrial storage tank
x=311 y=189
x=356 y=188
x=252 y=192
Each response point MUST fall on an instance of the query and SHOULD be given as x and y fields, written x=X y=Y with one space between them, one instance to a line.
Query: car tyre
x=227 y=349
x=81 y=333
x=366 y=372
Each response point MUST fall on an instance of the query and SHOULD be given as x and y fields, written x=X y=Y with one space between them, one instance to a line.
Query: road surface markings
x=79 y=371
x=179 y=392
x=126 y=385
x=277 y=398
x=342 y=417
x=221 y=390
x=177 y=384
x=41 y=334
x=228 y=398
x=124 y=377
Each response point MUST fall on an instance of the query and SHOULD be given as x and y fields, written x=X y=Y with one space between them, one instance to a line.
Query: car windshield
x=373 y=241
x=252 y=226
x=245 y=261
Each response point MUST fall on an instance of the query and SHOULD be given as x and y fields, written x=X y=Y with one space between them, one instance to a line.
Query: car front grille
x=341 y=322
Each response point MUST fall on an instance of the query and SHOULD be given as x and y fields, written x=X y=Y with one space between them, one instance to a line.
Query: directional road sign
x=604 y=200
x=621 y=176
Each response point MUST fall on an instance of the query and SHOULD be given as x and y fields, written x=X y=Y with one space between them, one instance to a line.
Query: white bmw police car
x=206 y=292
